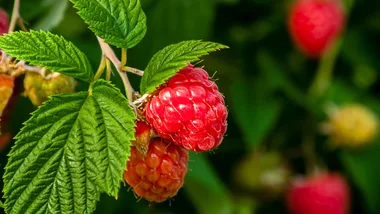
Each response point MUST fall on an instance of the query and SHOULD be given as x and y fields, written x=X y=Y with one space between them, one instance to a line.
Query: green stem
x=325 y=69
x=133 y=70
x=123 y=57
x=101 y=68
x=128 y=87
x=109 y=70
x=108 y=52
x=326 y=66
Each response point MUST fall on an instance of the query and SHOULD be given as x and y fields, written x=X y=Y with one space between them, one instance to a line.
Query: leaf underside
x=171 y=59
x=70 y=150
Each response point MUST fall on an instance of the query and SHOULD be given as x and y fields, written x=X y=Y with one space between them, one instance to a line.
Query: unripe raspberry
x=4 y=22
x=324 y=193
x=314 y=24
x=352 y=126
x=160 y=174
x=6 y=90
x=189 y=110
x=38 y=89
x=266 y=174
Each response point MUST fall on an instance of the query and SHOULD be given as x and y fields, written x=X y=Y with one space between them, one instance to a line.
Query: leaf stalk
x=110 y=54
x=15 y=16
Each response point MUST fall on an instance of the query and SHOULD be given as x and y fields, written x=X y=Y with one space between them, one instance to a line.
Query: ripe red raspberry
x=4 y=22
x=325 y=193
x=160 y=174
x=314 y=24
x=189 y=110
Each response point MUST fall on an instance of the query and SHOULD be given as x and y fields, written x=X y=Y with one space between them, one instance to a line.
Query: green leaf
x=256 y=112
x=341 y=93
x=55 y=12
x=205 y=189
x=357 y=50
x=171 y=59
x=365 y=174
x=119 y=22
x=115 y=123
x=72 y=148
x=228 y=1
x=47 y=50
x=276 y=77
x=1 y=204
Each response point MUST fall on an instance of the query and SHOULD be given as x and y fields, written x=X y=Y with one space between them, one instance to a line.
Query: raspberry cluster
x=186 y=113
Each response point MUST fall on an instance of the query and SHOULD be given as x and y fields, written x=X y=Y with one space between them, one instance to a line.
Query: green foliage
x=365 y=173
x=119 y=22
x=180 y=24
x=205 y=189
x=265 y=79
x=359 y=163
x=70 y=150
x=55 y=14
x=114 y=120
x=48 y=50
x=256 y=114
x=171 y=59
x=275 y=76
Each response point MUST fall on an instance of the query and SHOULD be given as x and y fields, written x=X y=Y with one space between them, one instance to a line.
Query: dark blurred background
x=265 y=80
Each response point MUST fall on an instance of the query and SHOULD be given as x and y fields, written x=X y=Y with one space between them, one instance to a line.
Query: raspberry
x=160 y=174
x=38 y=89
x=265 y=174
x=189 y=110
x=352 y=125
x=314 y=24
x=6 y=90
x=4 y=22
x=325 y=193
